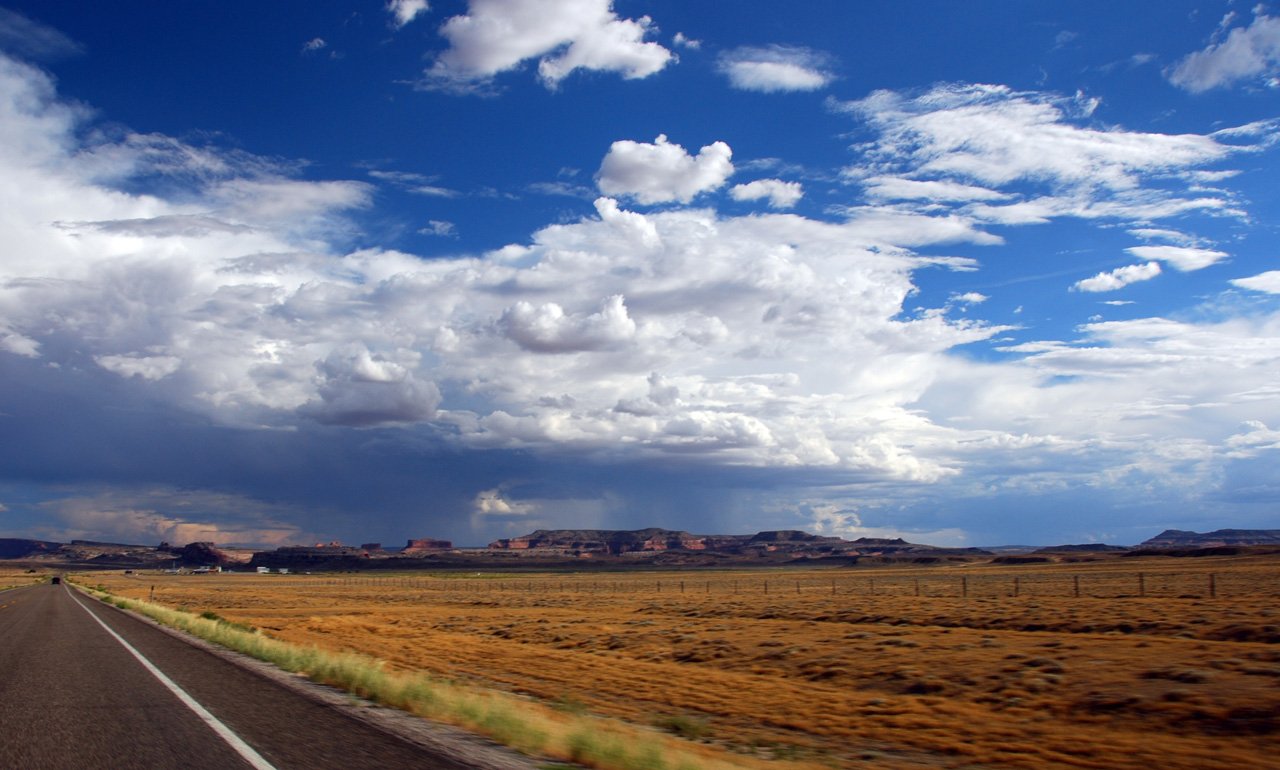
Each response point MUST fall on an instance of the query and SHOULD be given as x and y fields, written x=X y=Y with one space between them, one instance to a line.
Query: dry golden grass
x=12 y=578
x=822 y=670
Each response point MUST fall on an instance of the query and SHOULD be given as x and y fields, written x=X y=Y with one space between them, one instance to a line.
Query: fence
x=1084 y=585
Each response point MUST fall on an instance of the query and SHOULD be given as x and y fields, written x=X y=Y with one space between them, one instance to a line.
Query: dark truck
x=56 y=580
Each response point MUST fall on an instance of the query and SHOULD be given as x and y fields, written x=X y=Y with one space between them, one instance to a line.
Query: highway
x=75 y=697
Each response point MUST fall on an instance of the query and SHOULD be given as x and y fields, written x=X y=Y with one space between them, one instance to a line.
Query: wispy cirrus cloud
x=32 y=40
x=997 y=156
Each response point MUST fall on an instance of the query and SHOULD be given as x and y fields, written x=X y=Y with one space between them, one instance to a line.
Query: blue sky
x=965 y=273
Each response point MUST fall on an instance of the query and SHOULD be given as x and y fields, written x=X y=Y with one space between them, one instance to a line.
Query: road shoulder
x=454 y=742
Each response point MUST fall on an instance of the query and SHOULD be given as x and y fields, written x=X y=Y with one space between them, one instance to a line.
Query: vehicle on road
x=56 y=580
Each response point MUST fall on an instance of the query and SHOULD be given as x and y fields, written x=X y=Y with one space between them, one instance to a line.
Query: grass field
x=12 y=578
x=1119 y=663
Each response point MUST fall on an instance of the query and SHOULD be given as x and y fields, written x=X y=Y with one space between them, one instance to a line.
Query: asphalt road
x=72 y=697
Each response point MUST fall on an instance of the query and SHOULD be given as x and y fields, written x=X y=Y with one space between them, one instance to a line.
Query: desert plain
x=1089 y=662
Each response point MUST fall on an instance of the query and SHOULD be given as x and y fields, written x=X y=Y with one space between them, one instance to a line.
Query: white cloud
x=547 y=329
x=434 y=191
x=1247 y=52
x=987 y=155
x=499 y=35
x=406 y=11
x=970 y=298
x=440 y=228
x=146 y=367
x=781 y=195
x=996 y=136
x=1119 y=278
x=360 y=389
x=776 y=68
x=1268 y=282
x=893 y=188
x=34 y=40
x=315 y=44
x=681 y=335
x=662 y=171
x=684 y=42
x=1182 y=258
x=18 y=345
x=1163 y=234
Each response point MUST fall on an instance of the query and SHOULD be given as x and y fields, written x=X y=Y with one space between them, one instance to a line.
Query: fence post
x=766 y=586
x=1213 y=586
x=1077 y=582
x=917 y=586
x=1015 y=586
x=872 y=586
x=1142 y=584
x=964 y=586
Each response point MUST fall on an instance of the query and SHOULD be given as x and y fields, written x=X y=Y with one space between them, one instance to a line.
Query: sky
x=965 y=273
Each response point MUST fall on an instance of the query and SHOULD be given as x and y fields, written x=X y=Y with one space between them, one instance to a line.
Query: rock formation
x=421 y=544
x=1177 y=538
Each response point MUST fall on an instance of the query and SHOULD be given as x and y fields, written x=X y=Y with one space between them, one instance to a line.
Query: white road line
x=224 y=732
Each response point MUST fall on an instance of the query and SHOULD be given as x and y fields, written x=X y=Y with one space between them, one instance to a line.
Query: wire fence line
x=1084 y=585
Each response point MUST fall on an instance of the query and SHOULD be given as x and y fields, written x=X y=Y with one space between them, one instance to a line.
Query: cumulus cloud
x=1119 y=278
x=776 y=68
x=781 y=195
x=405 y=11
x=662 y=172
x=499 y=35
x=1182 y=258
x=683 y=41
x=1248 y=52
x=547 y=329
x=360 y=389
x=1268 y=282
x=677 y=336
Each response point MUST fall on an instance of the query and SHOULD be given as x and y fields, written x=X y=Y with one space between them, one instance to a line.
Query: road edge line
x=446 y=742
x=225 y=733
